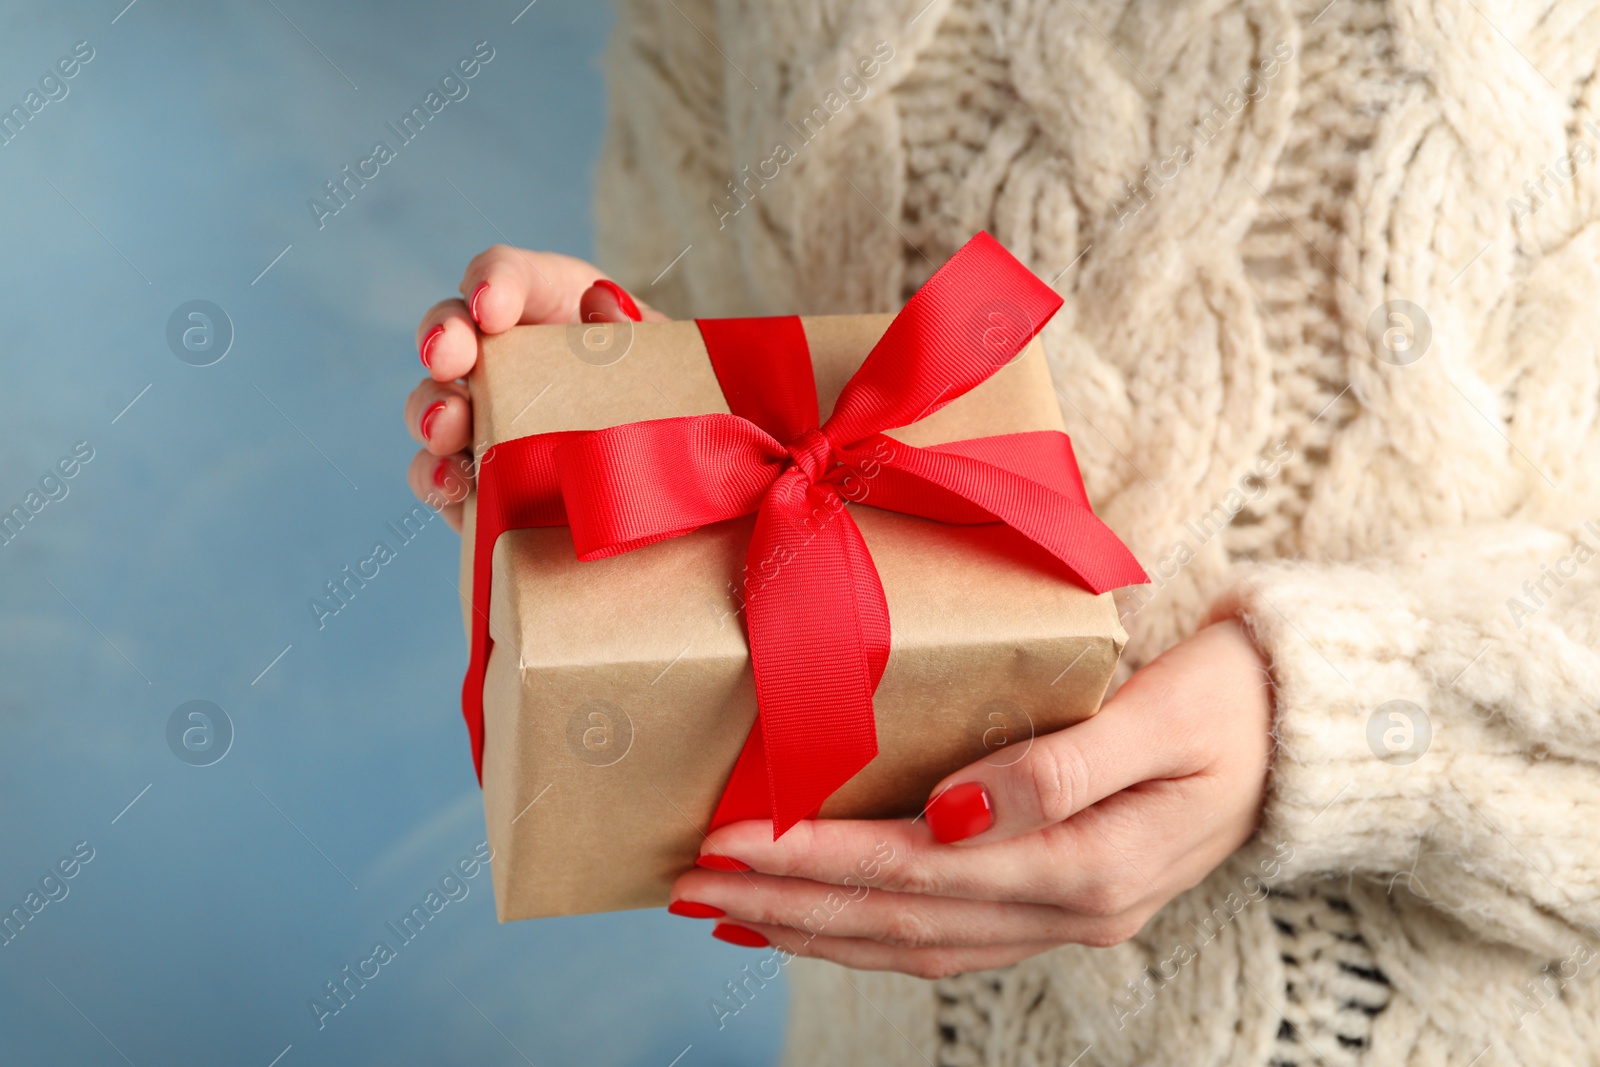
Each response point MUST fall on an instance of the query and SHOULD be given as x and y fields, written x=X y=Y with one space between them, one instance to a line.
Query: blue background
x=180 y=562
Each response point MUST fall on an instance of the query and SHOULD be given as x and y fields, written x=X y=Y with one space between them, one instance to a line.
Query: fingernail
x=960 y=812
x=624 y=301
x=477 y=294
x=693 y=909
x=714 y=862
x=739 y=935
x=427 y=345
x=428 y=417
x=441 y=472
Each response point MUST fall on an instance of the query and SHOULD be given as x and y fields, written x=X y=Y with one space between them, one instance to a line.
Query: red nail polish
x=960 y=812
x=472 y=307
x=428 y=417
x=427 y=345
x=739 y=935
x=714 y=862
x=441 y=472
x=624 y=301
x=693 y=909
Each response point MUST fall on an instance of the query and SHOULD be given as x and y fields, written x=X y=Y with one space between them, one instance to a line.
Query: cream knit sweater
x=1331 y=272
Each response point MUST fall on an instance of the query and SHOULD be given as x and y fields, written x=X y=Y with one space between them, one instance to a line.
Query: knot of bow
x=813 y=454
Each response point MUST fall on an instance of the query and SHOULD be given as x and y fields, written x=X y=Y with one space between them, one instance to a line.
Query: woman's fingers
x=439 y=416
x=857 y=910
x=1101 y=863
x=504 y=287
x=442 y=483
x=1123 y=813
x=864 y=955
x=447 y=341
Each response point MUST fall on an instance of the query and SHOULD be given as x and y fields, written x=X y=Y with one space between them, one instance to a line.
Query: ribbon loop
x=975 y=315
x=633 y=485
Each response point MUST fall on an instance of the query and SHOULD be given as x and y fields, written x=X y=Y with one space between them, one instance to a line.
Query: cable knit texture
x=1329 y=342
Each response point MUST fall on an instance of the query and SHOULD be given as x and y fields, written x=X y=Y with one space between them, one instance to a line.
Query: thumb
x=1059 y=775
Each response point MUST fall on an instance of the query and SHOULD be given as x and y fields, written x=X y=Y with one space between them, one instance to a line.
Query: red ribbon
x=815 y=612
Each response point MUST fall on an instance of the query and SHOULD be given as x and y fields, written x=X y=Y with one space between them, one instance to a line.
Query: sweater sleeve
x=1438 y=723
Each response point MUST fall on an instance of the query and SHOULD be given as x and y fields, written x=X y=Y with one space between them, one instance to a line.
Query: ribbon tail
x=752 y=789
x=1056 y=522
x=819 y=639
x=747 y=794
x=1043 y=456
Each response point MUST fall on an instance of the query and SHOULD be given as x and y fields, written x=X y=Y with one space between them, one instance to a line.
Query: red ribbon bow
x=818 y=624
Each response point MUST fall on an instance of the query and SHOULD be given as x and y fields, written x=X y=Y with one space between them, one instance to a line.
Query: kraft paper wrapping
x=619 y=692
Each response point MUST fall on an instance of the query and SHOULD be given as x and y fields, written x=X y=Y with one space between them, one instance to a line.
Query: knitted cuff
x=1356 y=763
x=1432 y=735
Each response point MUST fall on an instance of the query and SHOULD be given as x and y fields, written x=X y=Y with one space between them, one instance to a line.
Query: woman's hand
x=1082 y=840
x=503 y=287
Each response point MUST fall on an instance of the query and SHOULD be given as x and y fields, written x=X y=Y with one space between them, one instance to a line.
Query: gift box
x=689 y=603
